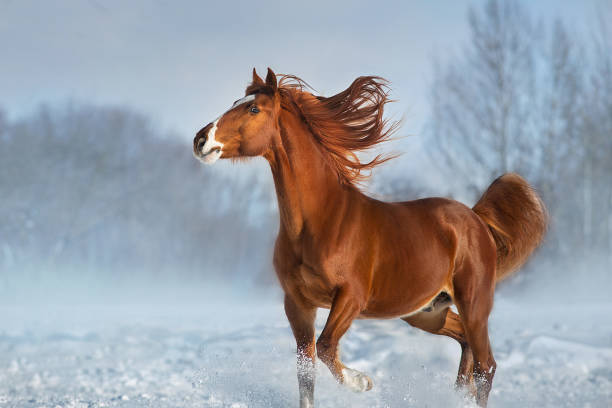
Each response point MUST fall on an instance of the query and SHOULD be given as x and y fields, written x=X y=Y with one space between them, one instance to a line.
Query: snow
x=234 y=348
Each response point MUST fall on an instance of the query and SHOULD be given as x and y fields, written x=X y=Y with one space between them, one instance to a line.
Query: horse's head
x=246 y=129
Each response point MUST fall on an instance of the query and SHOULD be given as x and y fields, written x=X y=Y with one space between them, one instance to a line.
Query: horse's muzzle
x=200 y=140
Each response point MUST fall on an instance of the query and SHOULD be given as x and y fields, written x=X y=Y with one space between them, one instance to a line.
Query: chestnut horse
x=362 y=258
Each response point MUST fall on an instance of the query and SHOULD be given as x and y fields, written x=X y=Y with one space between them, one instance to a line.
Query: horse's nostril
x=200 y=139
x=199 y=142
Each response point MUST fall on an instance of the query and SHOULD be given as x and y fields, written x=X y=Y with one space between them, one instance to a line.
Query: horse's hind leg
x=447 y=323
x=454 y=328
x=344 y=309
x=474 y=300
x=484 y=363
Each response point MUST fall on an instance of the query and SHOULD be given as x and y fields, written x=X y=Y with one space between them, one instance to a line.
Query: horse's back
x=444 y=214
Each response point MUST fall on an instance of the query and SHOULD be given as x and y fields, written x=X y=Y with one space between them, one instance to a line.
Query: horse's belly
x=441 y=300
x=401 y=293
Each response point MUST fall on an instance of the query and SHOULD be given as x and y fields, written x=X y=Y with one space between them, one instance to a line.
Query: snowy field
x=235 y=349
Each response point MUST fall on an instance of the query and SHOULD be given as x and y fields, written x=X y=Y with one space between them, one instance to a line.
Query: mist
x=132 y=275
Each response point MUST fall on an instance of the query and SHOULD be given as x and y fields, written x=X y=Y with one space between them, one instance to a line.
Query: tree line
x=533 y=98
x=99 y=192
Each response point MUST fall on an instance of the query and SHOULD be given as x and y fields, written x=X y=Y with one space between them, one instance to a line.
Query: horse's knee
x=326 y=351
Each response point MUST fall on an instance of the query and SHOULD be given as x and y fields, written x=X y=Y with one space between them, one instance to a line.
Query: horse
x=359 y=257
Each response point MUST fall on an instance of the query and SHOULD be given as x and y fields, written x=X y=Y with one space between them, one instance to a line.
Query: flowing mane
x=348 y=122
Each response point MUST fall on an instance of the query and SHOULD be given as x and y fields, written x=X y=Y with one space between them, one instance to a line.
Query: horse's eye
x=254 y=109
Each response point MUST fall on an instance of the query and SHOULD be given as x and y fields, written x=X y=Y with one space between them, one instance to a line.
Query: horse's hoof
x=306 y=402
x=356 y=380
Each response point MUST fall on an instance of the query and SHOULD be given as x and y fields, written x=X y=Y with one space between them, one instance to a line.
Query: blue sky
x=184 y=62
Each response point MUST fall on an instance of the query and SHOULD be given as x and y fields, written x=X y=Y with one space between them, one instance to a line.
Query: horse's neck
x=307 y=188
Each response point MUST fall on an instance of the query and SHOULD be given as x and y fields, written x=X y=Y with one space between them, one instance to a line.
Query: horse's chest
x=303 y=271
x=313 y=286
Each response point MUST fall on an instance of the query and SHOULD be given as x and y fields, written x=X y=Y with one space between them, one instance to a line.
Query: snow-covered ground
x=235 y=349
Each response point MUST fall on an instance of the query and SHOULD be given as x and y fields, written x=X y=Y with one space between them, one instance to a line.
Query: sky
x=184 y=62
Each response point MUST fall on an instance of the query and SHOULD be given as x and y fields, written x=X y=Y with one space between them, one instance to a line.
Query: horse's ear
x=271 y=79
x=256 y=78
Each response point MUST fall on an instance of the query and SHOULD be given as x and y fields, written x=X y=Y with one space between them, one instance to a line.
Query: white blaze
x=246 y=99
x=212 y=149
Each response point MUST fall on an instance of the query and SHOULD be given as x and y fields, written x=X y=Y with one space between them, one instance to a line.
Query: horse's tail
x=517 y=219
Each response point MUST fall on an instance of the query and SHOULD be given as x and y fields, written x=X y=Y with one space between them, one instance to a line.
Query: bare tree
x=481 y=100
x=597 y=141
x=556 y=138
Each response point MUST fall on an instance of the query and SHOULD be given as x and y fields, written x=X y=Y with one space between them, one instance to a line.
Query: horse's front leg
x=344 y=309
x=301 y=318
